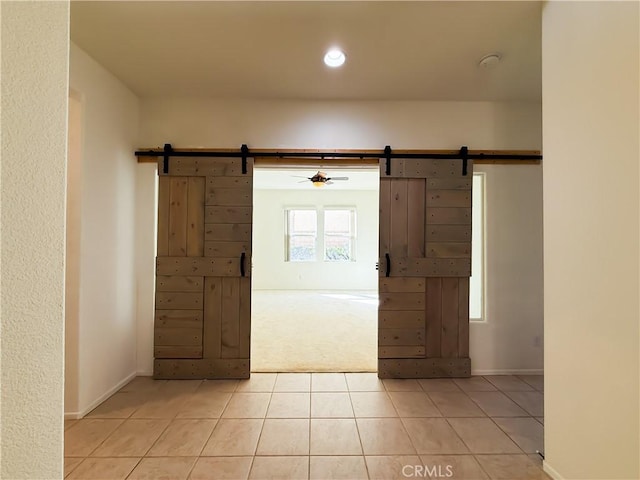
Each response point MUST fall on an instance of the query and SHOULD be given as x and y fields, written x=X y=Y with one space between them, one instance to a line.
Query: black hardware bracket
x=387 y=154
x=464 y=154
x=245 y=151
x=242 y=257
x=167 y=154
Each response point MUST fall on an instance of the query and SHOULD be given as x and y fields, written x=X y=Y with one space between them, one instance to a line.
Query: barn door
x=203 y=284
x=424 y=269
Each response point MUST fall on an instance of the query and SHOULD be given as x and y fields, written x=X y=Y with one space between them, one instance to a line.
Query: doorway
x=314 y=278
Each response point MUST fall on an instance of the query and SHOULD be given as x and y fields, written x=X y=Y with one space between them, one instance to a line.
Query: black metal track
x=387 y=153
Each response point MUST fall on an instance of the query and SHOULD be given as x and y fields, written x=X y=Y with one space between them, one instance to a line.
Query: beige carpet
x=302 y=331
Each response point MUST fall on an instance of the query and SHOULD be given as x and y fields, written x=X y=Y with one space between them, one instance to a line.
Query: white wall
x=591 y=238
x=107 y=314
x=35 y=42
x=272 y=272
x=507 y=342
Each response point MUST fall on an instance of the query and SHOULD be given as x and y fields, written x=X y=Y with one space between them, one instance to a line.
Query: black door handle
x=388 y=264
x=242 y=257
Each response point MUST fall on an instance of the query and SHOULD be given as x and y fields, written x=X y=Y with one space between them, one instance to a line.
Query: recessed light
x=489 y=61
x=334 y=58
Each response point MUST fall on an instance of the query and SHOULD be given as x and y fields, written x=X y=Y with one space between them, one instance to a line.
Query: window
x=302 y=233
x=330 y=231
x=476 y=282
x=339 y=229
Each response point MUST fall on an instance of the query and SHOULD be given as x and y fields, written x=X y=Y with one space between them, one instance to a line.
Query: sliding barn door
x=424 y=269
x=203 y=286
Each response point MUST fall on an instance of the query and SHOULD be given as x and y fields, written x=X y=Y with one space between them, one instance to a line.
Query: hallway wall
x=107 y=296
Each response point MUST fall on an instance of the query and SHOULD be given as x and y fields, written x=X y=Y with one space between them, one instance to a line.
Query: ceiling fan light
x=318 y=184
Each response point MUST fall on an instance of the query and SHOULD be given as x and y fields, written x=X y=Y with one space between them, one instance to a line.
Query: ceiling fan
x=320 y=179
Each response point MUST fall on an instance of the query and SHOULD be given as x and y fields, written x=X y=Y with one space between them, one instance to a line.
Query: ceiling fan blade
x=339 y=178
x=303 y=181
x=328 y=182
x=299 y=176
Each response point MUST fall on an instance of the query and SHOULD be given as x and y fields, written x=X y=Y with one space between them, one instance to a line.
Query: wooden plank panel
x=178 y=301
x=212 y=317
x=401 y=336
x=195 y=217
x=433 y=312
x=204 y=266
x=450 y=183
x=397 y=168
x=205 y=368
x=229 y=196
x=244 y=346
x=178 y=217
x=164 y=192
x=449 y=233
x=399 y=220
x=403 y=319
x=401 y=301
x=226 y=249
x=228 y=214
x=424 y=368
x=448 y=250
x=178 y=336
x=448 y=216
x=463 y=317
x=401 y=284
x=427 y=167
x=449 y=336
x=178 y=319
x=203 y=166
x=416 y=191
x=406 y=351
x=385 y=218
x=177 y=351
x=179 y=283
x=449 y=198
x=227 y=232
x=429 y=267
x=230 y=326
x=244 y=181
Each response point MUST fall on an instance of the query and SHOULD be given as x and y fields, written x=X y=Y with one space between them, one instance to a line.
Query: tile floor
x=312 y=426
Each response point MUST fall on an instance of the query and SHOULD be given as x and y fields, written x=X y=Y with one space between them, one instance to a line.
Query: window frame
x=352 y=232
x=288 y=235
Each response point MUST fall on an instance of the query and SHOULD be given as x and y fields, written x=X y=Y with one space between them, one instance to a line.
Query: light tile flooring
x=312 y=426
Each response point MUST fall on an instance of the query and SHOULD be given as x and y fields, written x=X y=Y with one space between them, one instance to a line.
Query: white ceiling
x=273 y=50
x=289 y=178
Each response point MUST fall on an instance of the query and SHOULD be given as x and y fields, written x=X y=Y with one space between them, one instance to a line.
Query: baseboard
x=99 y=400
x=552 y=472
x=508 y=371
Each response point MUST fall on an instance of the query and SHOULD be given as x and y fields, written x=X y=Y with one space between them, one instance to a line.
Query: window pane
x=337 y=247
x=337 y=221
x=302 y=221
x=476 y=287
x=302 y=248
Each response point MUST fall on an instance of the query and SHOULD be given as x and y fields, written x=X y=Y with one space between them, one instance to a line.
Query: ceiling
x=290 y=178
x=273 y=50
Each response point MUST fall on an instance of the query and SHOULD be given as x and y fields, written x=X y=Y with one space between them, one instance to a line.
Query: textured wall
x=35 y=42
x=591 y=238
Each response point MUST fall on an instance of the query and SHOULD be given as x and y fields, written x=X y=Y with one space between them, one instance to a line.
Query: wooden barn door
x=203 y=284
x=424 y=269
